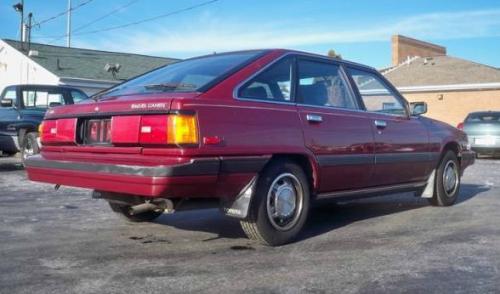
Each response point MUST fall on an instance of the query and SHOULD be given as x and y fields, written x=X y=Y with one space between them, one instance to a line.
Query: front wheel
x=29 y=147
x=447 y=181
x=280 y=204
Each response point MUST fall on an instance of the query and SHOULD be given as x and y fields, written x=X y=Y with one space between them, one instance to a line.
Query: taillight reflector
x=460 y=126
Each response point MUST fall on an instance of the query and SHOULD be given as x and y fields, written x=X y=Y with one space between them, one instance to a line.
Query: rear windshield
x=484 y=117
x=185 y=76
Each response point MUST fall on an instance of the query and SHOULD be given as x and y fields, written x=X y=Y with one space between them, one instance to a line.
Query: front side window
x=274 y=83
x=376 y=95
x=42 y=99
x=322 y=84
x=10 y=94
x=190 y=75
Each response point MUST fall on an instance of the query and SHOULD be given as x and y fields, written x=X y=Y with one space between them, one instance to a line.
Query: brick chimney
x=404 y=47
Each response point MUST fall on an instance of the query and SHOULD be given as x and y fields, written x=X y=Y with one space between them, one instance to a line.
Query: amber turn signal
x=182 y=129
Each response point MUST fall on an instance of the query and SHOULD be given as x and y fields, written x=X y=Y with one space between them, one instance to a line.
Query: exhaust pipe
x=141 y=208
x=159 y=204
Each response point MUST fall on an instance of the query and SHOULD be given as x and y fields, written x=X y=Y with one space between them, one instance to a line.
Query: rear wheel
x=29 y=147
x=447 y=181
x=124 y=211
x=280 y=205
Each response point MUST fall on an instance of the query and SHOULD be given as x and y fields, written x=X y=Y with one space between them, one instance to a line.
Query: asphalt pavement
x=65 y=242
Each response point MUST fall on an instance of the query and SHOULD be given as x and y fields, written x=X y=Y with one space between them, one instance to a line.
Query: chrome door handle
x=380 y=124
x=314 y=118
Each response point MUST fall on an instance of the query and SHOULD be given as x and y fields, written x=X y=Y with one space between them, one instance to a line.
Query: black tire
x=446 y=194
x=260 y=225
x=29 y=147
x=124 y=211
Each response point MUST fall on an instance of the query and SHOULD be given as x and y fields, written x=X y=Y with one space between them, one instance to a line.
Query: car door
x=335 y=130
x=9 y=118
x=402 y=149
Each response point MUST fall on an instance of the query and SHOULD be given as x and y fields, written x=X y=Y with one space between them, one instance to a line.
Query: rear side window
x=274 y=83
x=322 y=84
x=42 y=99
x=376 y=94
x=483 y=117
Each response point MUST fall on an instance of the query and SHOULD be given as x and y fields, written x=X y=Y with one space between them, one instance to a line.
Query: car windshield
x=484 y=117
x=189 y=75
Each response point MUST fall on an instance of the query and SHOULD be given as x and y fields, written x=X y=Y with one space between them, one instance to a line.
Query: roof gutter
x=454 y=87
x=87 y=83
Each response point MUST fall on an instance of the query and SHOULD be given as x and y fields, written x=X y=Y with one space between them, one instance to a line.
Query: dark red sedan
x=261 y=134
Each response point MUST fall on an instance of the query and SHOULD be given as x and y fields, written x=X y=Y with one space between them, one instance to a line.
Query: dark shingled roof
x=441 y=70
x=89 y=64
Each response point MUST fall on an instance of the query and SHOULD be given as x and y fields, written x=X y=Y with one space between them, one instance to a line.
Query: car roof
x=484 y=112
x=316 y=55
x=43 y=86
x=289 y=51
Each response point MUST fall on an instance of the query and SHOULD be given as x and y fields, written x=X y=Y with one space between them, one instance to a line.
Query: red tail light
x=153 y=130
x=460 y=126
x=58 y=131
x=171 y=129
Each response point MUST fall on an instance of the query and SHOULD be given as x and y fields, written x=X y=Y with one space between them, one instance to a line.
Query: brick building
x=452 y=87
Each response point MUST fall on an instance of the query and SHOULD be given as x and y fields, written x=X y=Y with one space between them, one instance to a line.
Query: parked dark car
x=483 y=130
x=22 y=108
x=261 y=134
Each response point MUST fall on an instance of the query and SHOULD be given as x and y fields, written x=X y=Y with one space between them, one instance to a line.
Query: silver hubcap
x=28 y=150
x=284 y=202
x=450 y=178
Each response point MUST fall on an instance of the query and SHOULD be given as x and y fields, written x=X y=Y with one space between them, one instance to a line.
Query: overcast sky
x=359 y=30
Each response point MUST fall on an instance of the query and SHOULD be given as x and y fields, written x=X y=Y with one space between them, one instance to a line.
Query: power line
x=63 y=13
x=58 y=37
x=132 y=23
x=148 y=19
x=105 y=15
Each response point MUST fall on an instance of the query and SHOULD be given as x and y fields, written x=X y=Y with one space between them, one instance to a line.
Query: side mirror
x=418 y=108
x=54 y=104
x=7 y=103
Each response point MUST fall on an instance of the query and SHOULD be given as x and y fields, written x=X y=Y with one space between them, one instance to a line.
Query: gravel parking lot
x=64 y=241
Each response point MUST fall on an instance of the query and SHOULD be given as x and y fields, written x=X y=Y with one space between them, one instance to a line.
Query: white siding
x=16 y=68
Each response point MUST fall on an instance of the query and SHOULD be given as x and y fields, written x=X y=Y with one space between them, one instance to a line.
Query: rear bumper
x=467 y=159
x=198 y=177
x=487 y=150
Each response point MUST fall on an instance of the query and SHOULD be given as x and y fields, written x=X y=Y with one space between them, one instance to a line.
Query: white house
x=88 y=70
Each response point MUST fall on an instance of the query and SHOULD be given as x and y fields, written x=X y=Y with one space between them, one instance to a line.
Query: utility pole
x=30 y=17
x=68 y=27
x=22 y=23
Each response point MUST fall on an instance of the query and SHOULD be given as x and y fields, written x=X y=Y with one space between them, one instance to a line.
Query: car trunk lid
x=121 y=105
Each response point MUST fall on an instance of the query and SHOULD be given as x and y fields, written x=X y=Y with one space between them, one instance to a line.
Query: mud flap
x=239 y=207
x=429 y=188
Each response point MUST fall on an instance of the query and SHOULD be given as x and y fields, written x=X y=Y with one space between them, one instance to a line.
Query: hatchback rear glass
x=484 y=117
x=190 y=75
